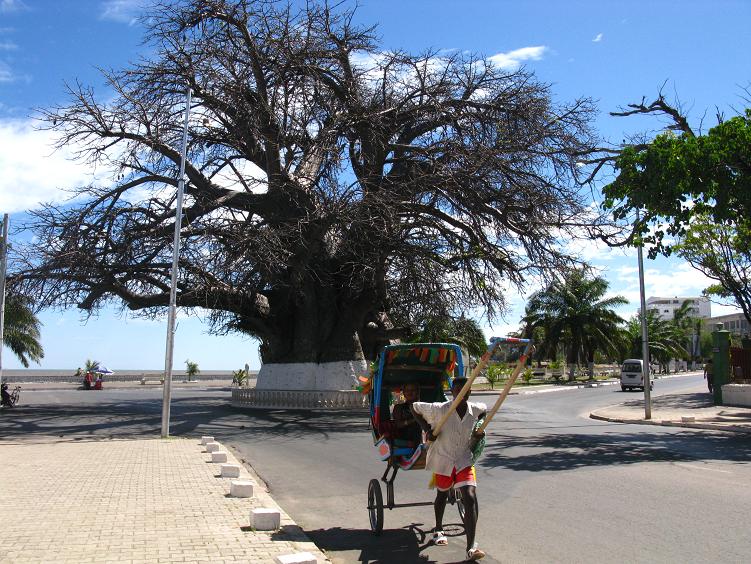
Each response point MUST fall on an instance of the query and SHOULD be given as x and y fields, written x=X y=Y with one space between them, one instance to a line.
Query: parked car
x=632 y=374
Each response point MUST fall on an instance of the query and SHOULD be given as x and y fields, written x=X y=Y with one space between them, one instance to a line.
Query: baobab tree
x=335 y=191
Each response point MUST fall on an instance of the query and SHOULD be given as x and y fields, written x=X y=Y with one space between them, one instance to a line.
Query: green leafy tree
x=722 y=252
x=694 y=191
x=575 y=312
x=21 y=331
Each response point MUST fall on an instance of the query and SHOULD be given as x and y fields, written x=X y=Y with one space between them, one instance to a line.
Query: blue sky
x=613 y=52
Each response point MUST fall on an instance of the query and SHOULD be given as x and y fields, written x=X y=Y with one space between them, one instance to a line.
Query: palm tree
x=21 y=332
x=459 y=330
x=575 y=312
x=689 y=327
x=191 y=369
x=666 y=339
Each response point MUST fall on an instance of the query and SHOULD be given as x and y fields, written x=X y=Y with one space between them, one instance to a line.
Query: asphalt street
x=554 y=485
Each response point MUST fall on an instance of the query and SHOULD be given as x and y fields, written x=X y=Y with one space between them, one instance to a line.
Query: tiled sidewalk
x=130 y=501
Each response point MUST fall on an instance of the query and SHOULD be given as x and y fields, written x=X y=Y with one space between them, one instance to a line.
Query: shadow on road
x=394 y=546
x=566 y=451
x=107 y=418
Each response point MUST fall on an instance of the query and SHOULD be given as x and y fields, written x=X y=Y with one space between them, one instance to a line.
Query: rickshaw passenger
x=450 y=459
x=408 y=431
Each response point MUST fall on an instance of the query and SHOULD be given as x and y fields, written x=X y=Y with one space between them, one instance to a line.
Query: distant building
x=735 y=323
x=701 y=307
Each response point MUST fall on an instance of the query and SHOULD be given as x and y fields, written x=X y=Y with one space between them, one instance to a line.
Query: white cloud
x=513 y=59
x=8 y=46
x=123 y=11
x=597 y=38
x=7 y=6
x=33 y=172
x=6 y=74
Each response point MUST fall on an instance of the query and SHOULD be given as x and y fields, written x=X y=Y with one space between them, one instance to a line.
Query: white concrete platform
x=206 y=439
x=736 y=394
x=212 y=446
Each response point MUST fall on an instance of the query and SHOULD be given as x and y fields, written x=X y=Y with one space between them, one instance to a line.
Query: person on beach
x=450 y=459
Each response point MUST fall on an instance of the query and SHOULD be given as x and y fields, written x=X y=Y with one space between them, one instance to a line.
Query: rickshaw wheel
x=375 y=506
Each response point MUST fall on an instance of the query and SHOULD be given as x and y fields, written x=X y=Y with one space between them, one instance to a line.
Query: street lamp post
x=644 y=335
x=167 y=392
x=3 y=269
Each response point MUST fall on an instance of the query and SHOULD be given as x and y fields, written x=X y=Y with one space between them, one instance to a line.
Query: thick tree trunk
x=316 y=324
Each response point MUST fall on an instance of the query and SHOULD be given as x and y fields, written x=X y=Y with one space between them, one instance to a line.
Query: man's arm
x=424 y=425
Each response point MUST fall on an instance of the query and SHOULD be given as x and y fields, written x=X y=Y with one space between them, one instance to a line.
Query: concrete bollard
x=206 y=439
x=230 y=471
x=213 y=446
x=241 y=488
x=264 y=519
x=297 y=558
x=219 y=456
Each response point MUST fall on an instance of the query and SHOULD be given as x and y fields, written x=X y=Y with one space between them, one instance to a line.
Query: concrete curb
x=302 y=542
x=670 y=423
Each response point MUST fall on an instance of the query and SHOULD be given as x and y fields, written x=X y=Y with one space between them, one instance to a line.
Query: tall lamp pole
x=3 y=268
x=644 y=336
x=167 y=392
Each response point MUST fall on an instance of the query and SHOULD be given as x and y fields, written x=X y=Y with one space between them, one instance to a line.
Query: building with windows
x=700 y=308
x=736 y=323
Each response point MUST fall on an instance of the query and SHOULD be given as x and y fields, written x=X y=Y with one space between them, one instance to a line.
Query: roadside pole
x=644 y=335
x=167 y=391
x=3 y=269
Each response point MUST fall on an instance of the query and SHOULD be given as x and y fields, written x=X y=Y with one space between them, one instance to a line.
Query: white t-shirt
x=451 y=448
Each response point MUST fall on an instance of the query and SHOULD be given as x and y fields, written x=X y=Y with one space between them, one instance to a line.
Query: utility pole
x=644 y=335
x=167 y=391
x=3 y=269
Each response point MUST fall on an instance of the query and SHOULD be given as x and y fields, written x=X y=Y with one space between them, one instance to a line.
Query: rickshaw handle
x=484 y=359
x=529 y=349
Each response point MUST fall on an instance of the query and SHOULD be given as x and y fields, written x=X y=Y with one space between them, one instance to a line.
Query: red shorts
x=464 y=477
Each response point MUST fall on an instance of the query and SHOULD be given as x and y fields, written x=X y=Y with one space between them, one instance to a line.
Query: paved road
x=554 y=485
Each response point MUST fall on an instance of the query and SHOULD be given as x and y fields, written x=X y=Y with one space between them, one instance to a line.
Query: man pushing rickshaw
x=453 y=432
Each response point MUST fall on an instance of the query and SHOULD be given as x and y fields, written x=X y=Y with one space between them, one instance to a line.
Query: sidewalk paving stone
x=144 y=500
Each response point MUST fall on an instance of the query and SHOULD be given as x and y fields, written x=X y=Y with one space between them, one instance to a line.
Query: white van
x=632 y=374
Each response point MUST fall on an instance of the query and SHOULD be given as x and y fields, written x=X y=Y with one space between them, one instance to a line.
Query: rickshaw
x=432 y=366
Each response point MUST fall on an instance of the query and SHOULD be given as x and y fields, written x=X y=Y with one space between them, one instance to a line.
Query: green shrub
x=527 y=375
x=494 y=373
x=239 y=377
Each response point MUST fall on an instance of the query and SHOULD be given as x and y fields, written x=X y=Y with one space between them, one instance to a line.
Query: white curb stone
x=297 y=558
x=230 y=471
x=206 y=440
x=241 y=488
x=213 y=446
x=219 y=456
x=264 y=519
